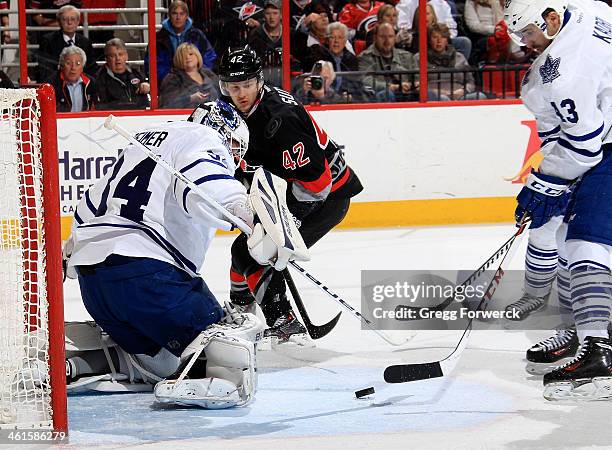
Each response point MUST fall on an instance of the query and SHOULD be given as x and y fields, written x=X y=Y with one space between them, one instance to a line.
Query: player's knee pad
x=544 y=237
x=231 y=376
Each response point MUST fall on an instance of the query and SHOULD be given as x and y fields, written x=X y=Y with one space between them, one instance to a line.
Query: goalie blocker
x=275 y=239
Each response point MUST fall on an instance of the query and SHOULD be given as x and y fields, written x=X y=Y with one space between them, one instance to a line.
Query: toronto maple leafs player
x=138 y=243
x=569 y=90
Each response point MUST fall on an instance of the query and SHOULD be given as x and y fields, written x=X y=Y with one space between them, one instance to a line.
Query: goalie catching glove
x=276 y=239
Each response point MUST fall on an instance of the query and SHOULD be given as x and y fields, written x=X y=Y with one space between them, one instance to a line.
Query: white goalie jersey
x=569 y=90
x=140 y=209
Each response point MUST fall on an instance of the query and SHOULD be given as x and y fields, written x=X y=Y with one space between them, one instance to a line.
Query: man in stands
x=118 y=85
x=177 y=29
x=52 y=44
x=383 y=55
x=74 y=91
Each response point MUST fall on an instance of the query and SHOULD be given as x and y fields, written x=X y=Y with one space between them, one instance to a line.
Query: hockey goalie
x=139 y=238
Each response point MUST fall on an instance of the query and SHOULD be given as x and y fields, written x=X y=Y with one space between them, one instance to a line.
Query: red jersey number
x=289 y=162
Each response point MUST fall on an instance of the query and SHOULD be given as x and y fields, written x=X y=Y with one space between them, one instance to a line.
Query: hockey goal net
x=32 y=368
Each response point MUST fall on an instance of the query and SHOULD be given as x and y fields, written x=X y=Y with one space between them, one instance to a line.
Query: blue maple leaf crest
x=549 y=71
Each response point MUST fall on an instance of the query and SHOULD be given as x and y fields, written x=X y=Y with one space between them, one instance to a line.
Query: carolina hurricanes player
x=285 y=140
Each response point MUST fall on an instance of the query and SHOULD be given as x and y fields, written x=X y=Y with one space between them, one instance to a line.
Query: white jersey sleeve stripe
x=589 y=154
x=77 y=217
x=549 y=132
x=90 y=205
x=202 y=160
x=549 y=140
x=204 y=179
x=586 y=137
x=181 y=260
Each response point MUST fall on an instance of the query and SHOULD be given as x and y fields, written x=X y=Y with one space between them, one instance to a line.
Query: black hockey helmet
x=239 y=64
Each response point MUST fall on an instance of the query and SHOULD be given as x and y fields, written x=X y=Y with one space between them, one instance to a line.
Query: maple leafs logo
x=549 y=71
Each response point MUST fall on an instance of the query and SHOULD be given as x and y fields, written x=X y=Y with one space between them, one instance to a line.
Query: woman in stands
x=431 y=19
x=188 y=82
x=442 y=55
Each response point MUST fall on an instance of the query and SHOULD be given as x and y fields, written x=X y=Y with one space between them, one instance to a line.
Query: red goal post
x=32 y=349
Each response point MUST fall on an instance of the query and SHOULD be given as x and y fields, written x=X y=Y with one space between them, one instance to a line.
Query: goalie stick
x=315 y=331
x=402 y=373
x=468 y=282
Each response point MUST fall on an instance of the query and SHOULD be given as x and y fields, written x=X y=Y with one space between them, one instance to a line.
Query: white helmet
x=222 y=117
x=518 y=14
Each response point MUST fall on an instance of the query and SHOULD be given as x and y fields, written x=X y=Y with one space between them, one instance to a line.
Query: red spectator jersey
x=285 y=139
x=53 y=4
x=3 y=4
x=352 y=15
x=103 y=18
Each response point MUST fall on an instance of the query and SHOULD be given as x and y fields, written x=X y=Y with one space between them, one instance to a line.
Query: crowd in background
x=347 y=50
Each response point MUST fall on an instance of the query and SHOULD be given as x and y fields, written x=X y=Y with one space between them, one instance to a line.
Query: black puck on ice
x=363 y=392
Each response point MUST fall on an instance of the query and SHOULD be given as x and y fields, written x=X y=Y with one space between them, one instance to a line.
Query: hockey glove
x=542 y=197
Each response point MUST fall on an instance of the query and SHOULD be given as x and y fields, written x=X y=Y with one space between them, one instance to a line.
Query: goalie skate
x=552 y=352
x=586 y=377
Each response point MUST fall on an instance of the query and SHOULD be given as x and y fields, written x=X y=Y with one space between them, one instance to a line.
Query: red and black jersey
x=286 y=140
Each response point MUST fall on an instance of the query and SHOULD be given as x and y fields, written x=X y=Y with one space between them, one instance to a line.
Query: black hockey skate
x=526 y=305
x=586 y=377
x=287 y=328
x=552 y=352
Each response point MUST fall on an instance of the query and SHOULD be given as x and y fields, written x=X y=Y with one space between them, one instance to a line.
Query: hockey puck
x=363 y=392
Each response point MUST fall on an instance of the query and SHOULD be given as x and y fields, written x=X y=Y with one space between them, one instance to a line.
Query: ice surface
x=306 y=396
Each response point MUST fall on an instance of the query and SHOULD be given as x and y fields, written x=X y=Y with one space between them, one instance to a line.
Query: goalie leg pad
x=231 y=377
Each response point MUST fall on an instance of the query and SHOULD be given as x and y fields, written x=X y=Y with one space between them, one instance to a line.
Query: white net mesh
x=25 y=399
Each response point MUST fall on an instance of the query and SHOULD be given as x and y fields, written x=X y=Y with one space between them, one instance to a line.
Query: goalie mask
x=222 y=117
x=519 y=14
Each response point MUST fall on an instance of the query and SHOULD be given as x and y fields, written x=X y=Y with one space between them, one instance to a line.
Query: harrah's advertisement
x=467 y=152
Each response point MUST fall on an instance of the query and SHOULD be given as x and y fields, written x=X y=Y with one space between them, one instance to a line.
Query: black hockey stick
x=402 y=373
x=406 y=315
x=314 y=331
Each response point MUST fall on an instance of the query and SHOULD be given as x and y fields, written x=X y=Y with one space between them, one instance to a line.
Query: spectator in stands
x=430 y=19
x=322 y=92
x=342 y=60
x=383 y=56
x=442 y=55
x=318 y=15
x=177 y=29
x=118 y=86
x=407 y=8
x=74 y=91
x=268 y=37
x=233 y=21
x=5 y=37
x=105 y=19
x=188 y=83
x=52 y=44
x=481 y=18
x=5 y=81
x=49 y=20
x=267 y=42
x=355 y=12
x=388 y=14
